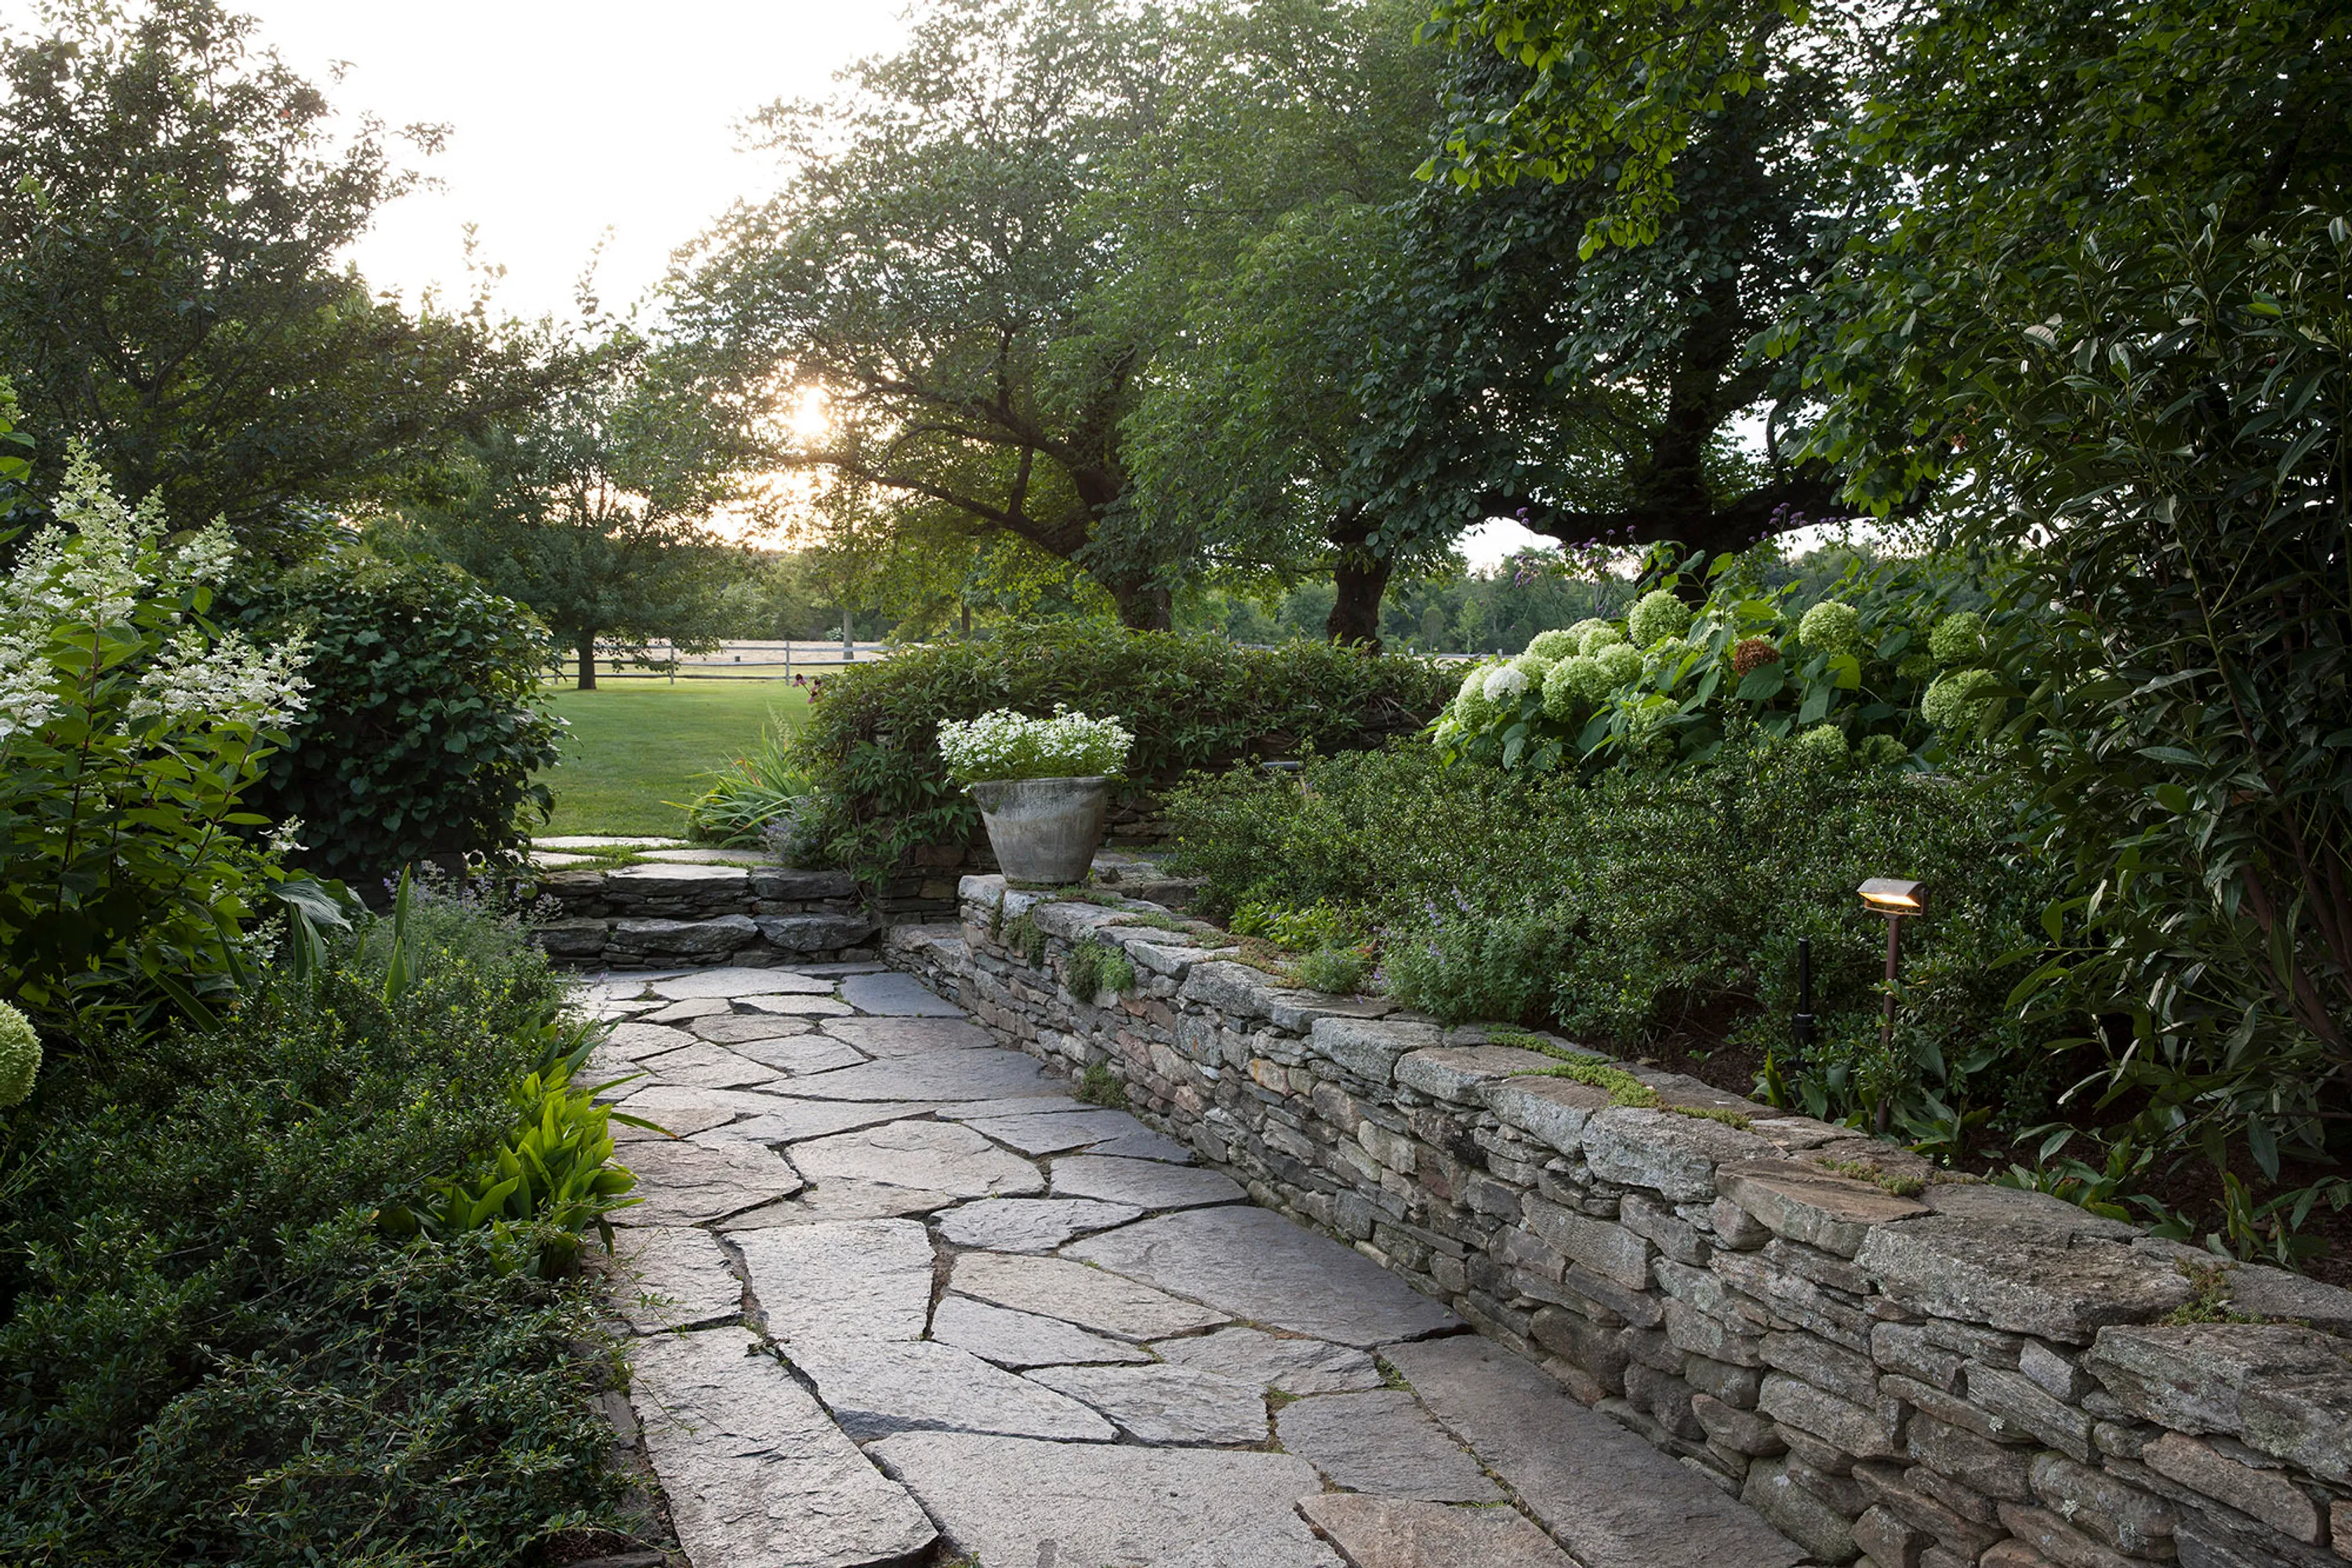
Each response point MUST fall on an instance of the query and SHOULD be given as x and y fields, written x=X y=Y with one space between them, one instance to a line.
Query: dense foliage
x=425 y=724
x=129 y=726
x=871 y=745
x=210 y=1349
x=1640 y=905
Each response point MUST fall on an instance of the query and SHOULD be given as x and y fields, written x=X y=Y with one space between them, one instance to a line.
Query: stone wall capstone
x=1900 y=1368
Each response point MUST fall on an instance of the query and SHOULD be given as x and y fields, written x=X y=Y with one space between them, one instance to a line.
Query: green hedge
x=210 y=1352
x=1619 y=907
x=425 y=723
x=1193 y=701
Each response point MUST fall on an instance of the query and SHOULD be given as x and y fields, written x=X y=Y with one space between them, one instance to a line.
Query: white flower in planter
x=1009 y=745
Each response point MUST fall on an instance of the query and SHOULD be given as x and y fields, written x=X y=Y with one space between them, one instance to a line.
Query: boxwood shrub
x=1192 y=700
x=423 y=725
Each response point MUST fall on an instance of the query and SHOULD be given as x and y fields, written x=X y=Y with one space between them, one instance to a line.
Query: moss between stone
x=1024 y=936
x=1901 y=1186
x=1098 y=1087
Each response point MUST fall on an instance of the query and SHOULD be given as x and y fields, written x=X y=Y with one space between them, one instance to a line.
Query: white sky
x=566 y=119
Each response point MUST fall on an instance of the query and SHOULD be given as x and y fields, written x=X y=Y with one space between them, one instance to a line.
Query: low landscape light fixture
x=1898 y=900
x=1801 y=1027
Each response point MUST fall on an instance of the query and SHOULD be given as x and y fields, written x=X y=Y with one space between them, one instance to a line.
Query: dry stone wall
x=1898 y=1371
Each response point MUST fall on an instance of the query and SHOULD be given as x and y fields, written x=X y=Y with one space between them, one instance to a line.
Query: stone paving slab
x=688 y=1011
x=1298 y=1366
x=1029 y=1225
x=638 y=1040
x=688 y=1183
x=946 y=1076
x=1146 y=1184
x=1090 y=1297
x=1161 y=1404
x=778 y=1120
x=1006 y=1501
x=800 y=1006
x=673 y=1277
x=757 y=1475
x=910 y=1037
x=878 y=1387
x=894 y=995
x=679 y=1112
x=1382 y=1441
x=1053 y=1132
x=1022 y=1339
x=1256 y=1265
x=734 y=983
x=1388 y=1532
x=842 y=1201
x=849 y=1279
x=937 y=1156
x=732 y=1028
x=1612 y=1500
x=1050 y=1099
x=797 y=1057
x=702 y=1066
x=1145 y=1145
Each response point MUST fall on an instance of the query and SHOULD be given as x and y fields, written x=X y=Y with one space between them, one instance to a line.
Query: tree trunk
x=848 y=638
x=587 y=647
x=1360 y=579
x=967 y=622
x=1143 y=606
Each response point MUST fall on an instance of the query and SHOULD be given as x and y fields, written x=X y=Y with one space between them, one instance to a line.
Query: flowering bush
x=129 y=727
x=20 y=1057
x=1661 y=687
x=1009 y=745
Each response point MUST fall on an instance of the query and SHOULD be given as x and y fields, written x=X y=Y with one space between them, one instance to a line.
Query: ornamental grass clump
x=1005 y=745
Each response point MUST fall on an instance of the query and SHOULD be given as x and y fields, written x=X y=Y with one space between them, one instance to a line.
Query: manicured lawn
x=637 y=745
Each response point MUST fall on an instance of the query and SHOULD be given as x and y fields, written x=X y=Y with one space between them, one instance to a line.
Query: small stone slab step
x=1146 y=1184
x=1053 y=1132
x=798 y=1058
x=739 y=982
x=1256 y=1265
x=1029 y=1225
x=1300 y=1366
x=878 y=1387
x=691 y=1183
x=1611 y=1500
x=935 y=1156
x=1057 y=1287
x=1005 y=1502
x=848 y=1279
x=1022 y=1339
x=910 y=1037
x=1383 y=1442
x=1388 y=1532
x=733 y=1028
x=605 y=841
x=1165 y=1404
x=756 y=1474
x=673 y=1277
x=895 y=995
x=941 y=1076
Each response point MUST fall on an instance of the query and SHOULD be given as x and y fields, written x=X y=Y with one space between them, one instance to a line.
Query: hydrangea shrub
x=1849 y=679
x=1005 y=745
x=20 y=1057
x=131 y=729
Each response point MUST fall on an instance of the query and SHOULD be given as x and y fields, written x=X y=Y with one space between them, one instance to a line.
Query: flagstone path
x=899 y=1298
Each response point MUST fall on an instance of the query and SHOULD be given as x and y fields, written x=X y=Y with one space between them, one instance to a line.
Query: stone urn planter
x=1044 y=830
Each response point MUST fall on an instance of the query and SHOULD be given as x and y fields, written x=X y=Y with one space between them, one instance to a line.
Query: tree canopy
x=168 y=287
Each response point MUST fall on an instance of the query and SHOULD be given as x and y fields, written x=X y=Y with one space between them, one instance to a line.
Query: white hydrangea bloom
x=1506 y=683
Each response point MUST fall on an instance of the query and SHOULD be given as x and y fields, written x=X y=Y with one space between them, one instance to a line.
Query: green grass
x=636 y=744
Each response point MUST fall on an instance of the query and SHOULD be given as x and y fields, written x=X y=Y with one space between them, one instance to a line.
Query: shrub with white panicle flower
x=1009 y=745
x=1471 y=709
x=1555 y=645
x=1656 y=617
x=1598 y=635
x=1504 y=684
x=20 y=1057
x=1832 y=627
x=129 y=728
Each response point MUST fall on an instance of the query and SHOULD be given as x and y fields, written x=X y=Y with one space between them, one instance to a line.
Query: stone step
x=1609 y=1497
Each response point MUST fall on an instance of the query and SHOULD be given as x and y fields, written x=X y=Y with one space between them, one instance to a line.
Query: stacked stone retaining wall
x=1899 y=1370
